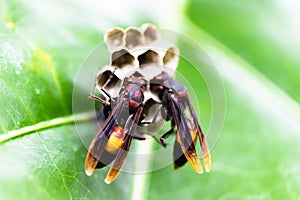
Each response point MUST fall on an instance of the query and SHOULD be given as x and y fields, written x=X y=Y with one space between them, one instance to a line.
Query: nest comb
x=136 y=51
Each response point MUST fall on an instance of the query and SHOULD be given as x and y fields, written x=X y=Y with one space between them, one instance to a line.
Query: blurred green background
x=254 y=46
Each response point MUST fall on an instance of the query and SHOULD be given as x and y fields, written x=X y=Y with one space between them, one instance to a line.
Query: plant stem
x=141 y=180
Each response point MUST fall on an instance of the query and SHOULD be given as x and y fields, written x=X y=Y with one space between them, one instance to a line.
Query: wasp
x=142 y=101
x=122 y=116
x=179 y=110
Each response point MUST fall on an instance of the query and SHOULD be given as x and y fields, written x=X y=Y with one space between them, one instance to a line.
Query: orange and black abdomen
x=112 y=147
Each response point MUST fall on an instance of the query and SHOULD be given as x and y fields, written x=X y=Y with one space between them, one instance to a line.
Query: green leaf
x=264 y=33
x=42 y=46
x=257 y=154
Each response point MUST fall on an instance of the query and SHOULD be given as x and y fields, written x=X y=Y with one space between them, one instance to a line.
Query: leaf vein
x=55 y=166
x=81 y=117
x=17 y=94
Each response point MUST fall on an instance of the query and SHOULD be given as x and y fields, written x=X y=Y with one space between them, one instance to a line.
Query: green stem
x=141 y=181
x=81 y=117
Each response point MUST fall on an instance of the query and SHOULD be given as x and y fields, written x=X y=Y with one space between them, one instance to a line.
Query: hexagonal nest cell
x=136 y=49
x=139 y=52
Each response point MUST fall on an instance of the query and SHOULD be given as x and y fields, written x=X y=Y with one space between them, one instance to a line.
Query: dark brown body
x=113 y=141
x=179 y=110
